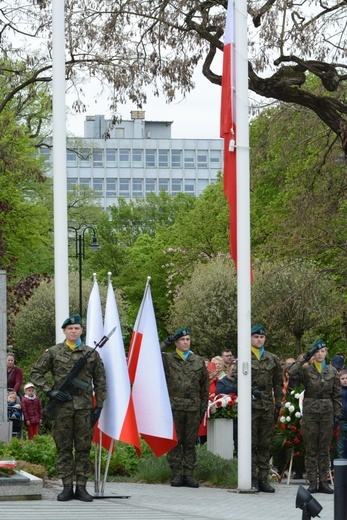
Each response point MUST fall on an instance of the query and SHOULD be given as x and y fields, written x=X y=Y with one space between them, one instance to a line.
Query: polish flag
x=117 y=420
x=149 y=391
x=227 y=125
x=95 y=331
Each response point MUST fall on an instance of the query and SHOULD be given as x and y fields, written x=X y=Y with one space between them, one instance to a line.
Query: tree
x=133 y=45
x=206 y=303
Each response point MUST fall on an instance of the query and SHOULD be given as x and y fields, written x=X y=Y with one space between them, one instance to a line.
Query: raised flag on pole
x=150 y=393
x=117 y=418
x=95 y=331
x=228 y=126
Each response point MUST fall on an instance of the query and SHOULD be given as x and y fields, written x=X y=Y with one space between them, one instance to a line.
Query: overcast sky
x=196 y=116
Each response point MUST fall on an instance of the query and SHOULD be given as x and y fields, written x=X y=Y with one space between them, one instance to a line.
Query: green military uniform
x=188 y=387
x=322 y=402
x=71 y=426
x=267 y=382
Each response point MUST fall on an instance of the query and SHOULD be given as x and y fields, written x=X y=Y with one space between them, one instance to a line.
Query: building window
x=137 y=156
x=97 y=158
x=111 y=187
x=137 y=187
x=215 y=158
x=189 y=186
x=98 y=187
x=71 y=156
x=176 y=186
x=189 y=159
x=111 y=156
x=124 y=156
x=85 y=155
x=176 y=158
x=45 y=153
x=124 y=190
x=163 y=158
x=150 y=158
x=164 y=185
x=85 y=182
x=71 y=184
x=202 y=159
x=150 y=185
x=202 y=184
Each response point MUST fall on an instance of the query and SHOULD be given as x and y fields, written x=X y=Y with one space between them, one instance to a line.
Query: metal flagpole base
x=110 y=496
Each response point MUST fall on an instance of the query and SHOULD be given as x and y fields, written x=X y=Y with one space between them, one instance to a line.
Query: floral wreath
x=222 y=406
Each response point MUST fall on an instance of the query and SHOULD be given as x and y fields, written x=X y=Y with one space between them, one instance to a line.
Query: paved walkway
x=162 y=502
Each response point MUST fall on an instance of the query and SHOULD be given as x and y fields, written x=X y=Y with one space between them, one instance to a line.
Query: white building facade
x=136 y=157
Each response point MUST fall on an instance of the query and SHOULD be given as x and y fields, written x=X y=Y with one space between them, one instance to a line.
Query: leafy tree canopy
x=132 y=45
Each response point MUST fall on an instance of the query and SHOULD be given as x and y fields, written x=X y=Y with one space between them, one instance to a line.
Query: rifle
x=71 y=378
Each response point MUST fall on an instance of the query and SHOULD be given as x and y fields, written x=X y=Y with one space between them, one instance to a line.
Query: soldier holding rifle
x=73 y=413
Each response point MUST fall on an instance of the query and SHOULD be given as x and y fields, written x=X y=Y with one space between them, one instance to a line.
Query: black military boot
x=325 y=488
x=189 y=481
x=312 y=488
x=177 y=481
x=82 y=494
x=66 y=494
x=265 y=486
x=255 y=485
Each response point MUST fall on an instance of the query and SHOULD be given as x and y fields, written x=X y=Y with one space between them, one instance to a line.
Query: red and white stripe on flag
x=228 y=126
x=149 y=391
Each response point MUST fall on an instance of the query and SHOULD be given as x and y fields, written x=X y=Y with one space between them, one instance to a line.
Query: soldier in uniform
x=267 y=381
x=74 y=415
x=322 y=407
x=188 y=386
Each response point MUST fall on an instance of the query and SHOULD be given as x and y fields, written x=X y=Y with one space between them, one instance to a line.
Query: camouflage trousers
x=182 y=458
x=262 y=432
x=72 y=434
x=317 y=432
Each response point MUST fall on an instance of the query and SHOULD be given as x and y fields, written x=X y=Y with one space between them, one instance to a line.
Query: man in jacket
x=74 y=415
x=267 y=381
x=188 y=386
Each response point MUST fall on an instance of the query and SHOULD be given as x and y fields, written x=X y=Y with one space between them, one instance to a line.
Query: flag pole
x=243 y=250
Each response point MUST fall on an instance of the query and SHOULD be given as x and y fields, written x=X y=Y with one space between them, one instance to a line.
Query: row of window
x=139 y=187
x=137 y=157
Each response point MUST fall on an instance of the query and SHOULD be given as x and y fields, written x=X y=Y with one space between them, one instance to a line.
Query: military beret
x=72 y=320
x=258 y=329
x=183 y=331
x=319 y=344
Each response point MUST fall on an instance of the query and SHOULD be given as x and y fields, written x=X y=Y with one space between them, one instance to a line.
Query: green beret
x=258 y=329
x=72 y=320
x=319 y=344
x=183 y=331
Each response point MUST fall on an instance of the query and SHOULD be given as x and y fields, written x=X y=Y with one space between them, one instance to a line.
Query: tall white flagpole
x=61 y=273
x=243 y=250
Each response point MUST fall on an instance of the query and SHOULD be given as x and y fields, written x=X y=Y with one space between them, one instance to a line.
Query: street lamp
x=80 y=253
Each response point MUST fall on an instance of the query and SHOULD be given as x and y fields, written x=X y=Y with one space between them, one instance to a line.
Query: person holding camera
x=267 y=382
x=321 y=410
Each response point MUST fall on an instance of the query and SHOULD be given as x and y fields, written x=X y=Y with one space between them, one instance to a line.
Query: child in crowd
x=342 y=440
x=13 y=406
x=32 y=410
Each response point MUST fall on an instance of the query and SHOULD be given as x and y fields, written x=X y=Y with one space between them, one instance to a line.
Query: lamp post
x=80 y=253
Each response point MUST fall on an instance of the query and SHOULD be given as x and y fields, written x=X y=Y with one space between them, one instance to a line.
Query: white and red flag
x=117 y=420
x=95 y=331
x=228 y=126
x=149 y=391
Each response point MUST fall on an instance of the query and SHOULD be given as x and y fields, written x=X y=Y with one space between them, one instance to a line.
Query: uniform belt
x=317 y=396
x=76 y=391
x=186 y=395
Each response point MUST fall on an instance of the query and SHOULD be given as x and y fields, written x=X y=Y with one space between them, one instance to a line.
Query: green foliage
x=207 y=304
x=40 y=451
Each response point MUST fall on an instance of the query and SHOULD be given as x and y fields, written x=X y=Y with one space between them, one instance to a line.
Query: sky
x=195 y=117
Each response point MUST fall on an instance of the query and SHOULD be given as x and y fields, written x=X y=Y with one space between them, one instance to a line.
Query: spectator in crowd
x=267 y=382
x=13 y=406
x=32 y=410
x=338 y=361
x=321 y=409
x=227 y=357
x=188 y=385
x=14 y=374
x=218 y=361
x=342 y=440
